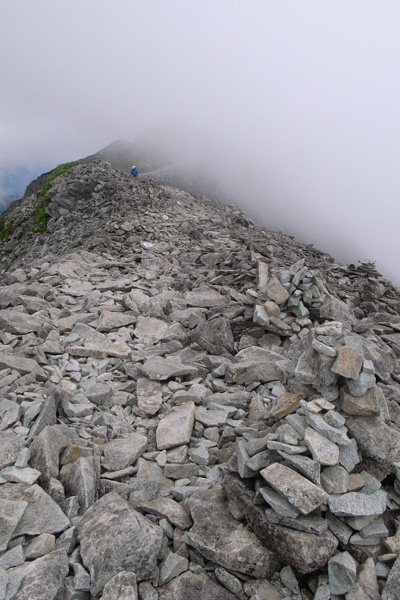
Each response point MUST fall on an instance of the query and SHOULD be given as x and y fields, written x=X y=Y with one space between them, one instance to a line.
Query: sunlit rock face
x=191 y=405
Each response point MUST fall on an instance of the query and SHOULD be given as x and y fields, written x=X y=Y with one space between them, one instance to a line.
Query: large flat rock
x=122 y=452
x=114 y=537
x=299 y=491
x=42 y=515
x=19 y=323
x=160 y=369
x=22 y=365
x=220 y=538
x=176 y=427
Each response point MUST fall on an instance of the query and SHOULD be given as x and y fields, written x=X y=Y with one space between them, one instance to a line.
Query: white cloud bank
x=301 y=97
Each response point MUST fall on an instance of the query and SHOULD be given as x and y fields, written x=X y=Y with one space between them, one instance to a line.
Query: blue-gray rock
x=356 y=504
x=342 y=571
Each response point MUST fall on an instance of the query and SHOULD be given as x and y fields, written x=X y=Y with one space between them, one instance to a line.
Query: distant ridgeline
x=40 y=186
x=13 y=182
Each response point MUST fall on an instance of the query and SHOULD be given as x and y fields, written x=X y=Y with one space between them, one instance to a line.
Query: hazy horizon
x=294 y=104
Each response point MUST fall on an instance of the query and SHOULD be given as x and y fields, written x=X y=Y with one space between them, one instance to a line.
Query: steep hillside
x=192 y=406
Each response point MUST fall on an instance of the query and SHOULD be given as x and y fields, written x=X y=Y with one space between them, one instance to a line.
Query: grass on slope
x=40 y=212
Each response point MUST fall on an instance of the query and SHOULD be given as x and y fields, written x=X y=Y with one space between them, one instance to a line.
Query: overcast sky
x=298 y=101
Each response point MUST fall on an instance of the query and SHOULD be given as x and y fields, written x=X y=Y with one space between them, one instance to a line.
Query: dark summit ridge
x=192 y=406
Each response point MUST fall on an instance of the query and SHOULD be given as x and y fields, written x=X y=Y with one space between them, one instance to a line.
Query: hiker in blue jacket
x=134 y=171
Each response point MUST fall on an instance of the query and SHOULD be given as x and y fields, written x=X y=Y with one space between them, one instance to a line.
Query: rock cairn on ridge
x=191 y=405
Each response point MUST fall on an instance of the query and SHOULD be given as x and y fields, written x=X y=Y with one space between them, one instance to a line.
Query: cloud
x=297 y=103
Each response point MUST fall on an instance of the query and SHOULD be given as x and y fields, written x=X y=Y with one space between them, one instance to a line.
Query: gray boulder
x=114 y=537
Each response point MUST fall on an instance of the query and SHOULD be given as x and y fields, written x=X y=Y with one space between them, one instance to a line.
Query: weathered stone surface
x=122 y=452
x=215 y=336
x=360 y=386
x=366 y=586
x=166 y=507
x=114 y=538
x=46 y=448
x=322 y=449
x=42 y=515
x=335 y=480
x=220 y=538
x=150 y=331
x=80 y=480
x=276 y=292
x=121 y=587
x=10 y=515
x=149 y=396
x=9 y=413
x=307 y=523
x=374 y=438
x=392 y=586
x=45 y=577
x=18 y=322
x=301 y=493
x=205 y=297
x=10 y=447
x=310 y=468
x=192 y=586
x=305 y=552
x=338 y=435
x=348 y=363
x=356 y=504
x=40 y=545
x=172 y=566
x=22 y=365
x=286 y=404
x=342 y=571
x=278 y=503
x=211 y=418
x=99 y=393
x=20 y=475
x=160 y=369
x=248 y=371
x=366 y=406
x=114 y=320
x=176 y=427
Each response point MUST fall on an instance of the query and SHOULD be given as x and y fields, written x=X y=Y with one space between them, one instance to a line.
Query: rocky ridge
x=192 y=406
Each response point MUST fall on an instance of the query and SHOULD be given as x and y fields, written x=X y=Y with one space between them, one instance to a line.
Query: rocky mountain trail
x=191 y=405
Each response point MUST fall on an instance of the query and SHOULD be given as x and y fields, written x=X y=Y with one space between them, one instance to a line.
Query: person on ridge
x=134 y=171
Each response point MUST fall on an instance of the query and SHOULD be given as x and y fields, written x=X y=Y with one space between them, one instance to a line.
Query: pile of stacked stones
x=188 y=415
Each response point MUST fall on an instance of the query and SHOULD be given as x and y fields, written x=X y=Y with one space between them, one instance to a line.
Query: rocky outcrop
x=191 y=405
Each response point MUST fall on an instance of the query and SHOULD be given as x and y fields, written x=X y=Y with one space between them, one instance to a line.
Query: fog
x=293 y=104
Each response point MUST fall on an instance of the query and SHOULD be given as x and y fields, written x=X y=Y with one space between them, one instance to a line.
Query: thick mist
x=294 y=105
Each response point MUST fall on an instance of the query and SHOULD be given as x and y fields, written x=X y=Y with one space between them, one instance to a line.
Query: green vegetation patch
x=6 y=229
x=40 y=212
